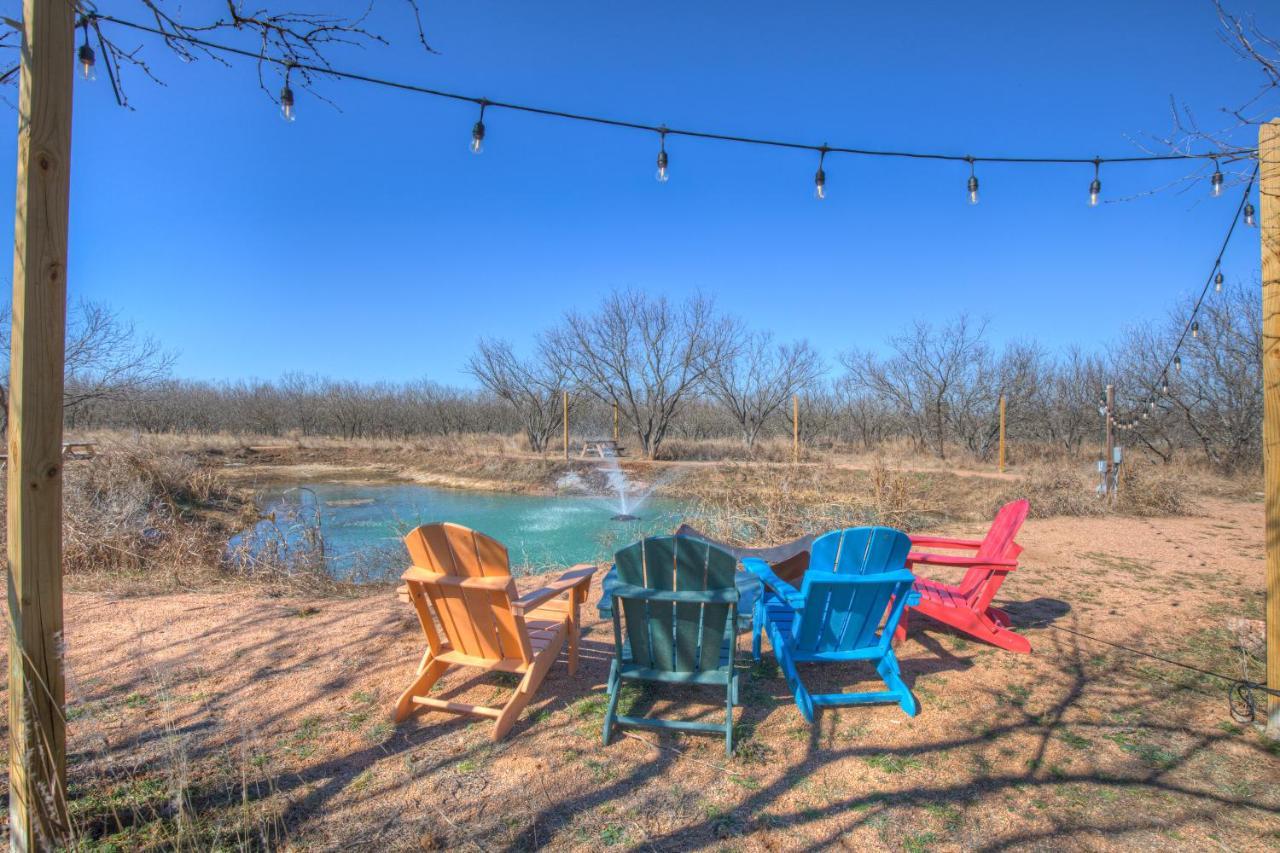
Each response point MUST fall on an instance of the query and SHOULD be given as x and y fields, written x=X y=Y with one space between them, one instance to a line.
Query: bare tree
x=760 y=379
x=646 y=354
x=106 y=359
x=532 y=386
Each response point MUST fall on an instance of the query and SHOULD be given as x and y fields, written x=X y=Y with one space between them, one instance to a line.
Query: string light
x=820 y=177
x=287 y=112
x=1215 y=183
x=1217 y=282
x=1164 y=384
x=1095 y=188
x=1195 y=328
x=477 y=131
x=1177 y=364
x=973 y=182
x=85 y=55
x=661 y=174
x=1248 y=215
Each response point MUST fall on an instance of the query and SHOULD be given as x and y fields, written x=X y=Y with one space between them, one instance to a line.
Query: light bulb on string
x=1177 y=363
x=287 y=111
x=1195 y=328
x=973 y=182
x=820 y=177
x=661 y=175
x=1164 y=384
x=1248 y=214
x=1215 y=183
x=1217 y=282
x=85 y=55
x=477 y=131
x=1095 y=187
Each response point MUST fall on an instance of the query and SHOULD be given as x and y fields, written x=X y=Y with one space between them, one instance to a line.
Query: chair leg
x=889 y=673
x=612 y=709
x=429 y=672
x=804 y=701
x=528 y=686
x=731 y=694
x=900 y=633
x=575 y=596
x=757 y=626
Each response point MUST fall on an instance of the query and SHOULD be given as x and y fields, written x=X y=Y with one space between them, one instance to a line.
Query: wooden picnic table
x=605 y=448
x=70 y=450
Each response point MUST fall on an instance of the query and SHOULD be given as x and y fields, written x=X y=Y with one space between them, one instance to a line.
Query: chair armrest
x=924 y=558
x=784 y=590
x=579 y=575
x=943 y=542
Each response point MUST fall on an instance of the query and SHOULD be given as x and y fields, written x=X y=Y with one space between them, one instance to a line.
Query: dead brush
x=1151 y=490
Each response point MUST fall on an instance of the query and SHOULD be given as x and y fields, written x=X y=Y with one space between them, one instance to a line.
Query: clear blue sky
x=370 y=244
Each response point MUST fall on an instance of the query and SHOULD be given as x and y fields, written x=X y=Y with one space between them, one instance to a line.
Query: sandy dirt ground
x=271 y=716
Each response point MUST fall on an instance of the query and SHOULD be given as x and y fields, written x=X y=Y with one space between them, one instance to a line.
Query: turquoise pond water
x=360 y=526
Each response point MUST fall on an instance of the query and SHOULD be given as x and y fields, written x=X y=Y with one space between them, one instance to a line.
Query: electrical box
x=1117 y=454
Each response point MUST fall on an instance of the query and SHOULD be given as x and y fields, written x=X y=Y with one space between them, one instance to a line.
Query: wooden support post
x=615 y=421
x=565 y=402
x=37 y=727
x=1000 y=454
x=1109 y=468
x=1269 y=226
x=795 y=428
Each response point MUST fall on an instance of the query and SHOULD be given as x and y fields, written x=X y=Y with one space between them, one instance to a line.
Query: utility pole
x=615 y=421
x=565 y=405
x=1001 y=452
x=1269 y=227
x=37 y=727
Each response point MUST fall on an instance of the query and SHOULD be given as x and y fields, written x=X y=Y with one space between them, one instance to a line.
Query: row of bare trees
x=684 y=369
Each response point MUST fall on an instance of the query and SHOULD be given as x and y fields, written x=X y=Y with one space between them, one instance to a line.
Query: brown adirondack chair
x=967 y=606
x=461 y=580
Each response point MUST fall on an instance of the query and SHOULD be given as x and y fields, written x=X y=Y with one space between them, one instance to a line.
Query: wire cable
x=670 y=131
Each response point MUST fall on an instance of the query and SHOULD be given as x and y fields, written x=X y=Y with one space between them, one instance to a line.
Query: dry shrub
x=1146 y=489
x=1054 y=490
x=753 y=505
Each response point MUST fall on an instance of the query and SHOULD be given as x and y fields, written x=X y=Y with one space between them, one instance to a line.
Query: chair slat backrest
x=998 y=544
x=843 y=606
x=859 y=550
x=466 y=577
x=676 y=636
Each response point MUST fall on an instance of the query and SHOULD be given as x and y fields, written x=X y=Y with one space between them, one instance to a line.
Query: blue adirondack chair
x=855 y=577
x=674 y=609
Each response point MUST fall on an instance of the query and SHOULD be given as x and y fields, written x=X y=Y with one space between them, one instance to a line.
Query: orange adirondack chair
x=967 y=605
x=464 y=578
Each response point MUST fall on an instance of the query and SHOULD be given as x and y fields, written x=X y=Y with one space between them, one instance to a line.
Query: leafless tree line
x=683 y=369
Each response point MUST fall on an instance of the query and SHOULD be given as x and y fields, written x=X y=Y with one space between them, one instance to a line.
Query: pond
x=354 y=530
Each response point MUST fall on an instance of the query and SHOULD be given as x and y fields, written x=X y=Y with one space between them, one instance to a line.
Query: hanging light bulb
x=1217 y=282
x=1095 y=187
x=477 y=132
x=1248 y=214
x=1153 y=407
x=85 y=55
x=1195 y=328
x=1164 y=384
x=1177 y=363
x=820 y=177
x=1215 y=183
x=287 y=111
x=973 y=183
x=661 y=174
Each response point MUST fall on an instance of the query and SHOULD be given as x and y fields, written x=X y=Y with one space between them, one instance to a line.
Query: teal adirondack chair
x=674 y=611
x=856 y=578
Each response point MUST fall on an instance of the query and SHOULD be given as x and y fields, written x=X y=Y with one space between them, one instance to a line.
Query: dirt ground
x=233 y=720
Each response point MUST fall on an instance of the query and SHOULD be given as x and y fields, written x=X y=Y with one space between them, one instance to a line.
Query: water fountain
x=629 y=503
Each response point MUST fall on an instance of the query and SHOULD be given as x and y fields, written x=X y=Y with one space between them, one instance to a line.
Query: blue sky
x=370 y=244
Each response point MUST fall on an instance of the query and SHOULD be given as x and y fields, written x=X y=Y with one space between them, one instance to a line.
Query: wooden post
x=615 y=421
x=565 y=402
x=795 y=428
x=1001 y=452
x=37 y=728
x=1269 y=226
x=1109 y=468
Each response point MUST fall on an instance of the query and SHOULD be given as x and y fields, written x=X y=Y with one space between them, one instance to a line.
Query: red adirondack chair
x=967 y=606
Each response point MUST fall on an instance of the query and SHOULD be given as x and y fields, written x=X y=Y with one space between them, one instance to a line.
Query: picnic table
x=70 y=450
x=605 y=448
